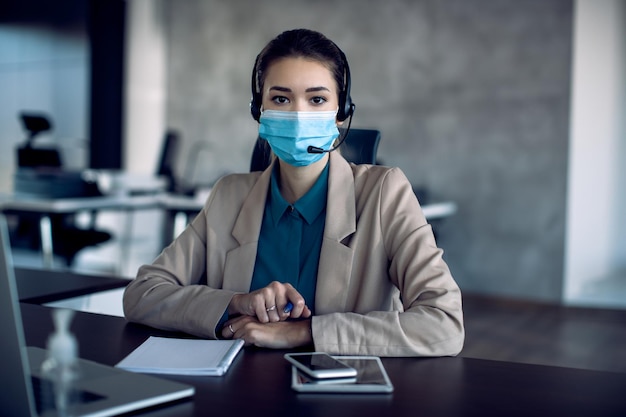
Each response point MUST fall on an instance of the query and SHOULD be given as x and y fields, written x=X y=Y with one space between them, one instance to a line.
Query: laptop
x=100 y=390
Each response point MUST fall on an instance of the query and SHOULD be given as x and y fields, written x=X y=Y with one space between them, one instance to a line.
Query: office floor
x=499 y=329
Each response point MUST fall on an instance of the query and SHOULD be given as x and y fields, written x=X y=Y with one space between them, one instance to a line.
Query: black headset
x=346 y=106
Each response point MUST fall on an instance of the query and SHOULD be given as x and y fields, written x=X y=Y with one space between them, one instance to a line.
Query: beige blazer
x=382 y=289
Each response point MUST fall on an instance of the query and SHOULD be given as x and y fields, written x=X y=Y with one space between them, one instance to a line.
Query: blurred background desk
x=177 y=210
x=47 y=202
x=44 y=209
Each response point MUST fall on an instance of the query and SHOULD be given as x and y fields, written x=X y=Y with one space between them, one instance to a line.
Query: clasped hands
x=261 y=318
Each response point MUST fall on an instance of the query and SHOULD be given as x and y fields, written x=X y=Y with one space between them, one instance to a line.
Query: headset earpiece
x=346 y=106
x=256 y=100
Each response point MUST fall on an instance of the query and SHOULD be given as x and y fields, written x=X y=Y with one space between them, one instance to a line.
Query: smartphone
x=305 y=379
x=320 y=365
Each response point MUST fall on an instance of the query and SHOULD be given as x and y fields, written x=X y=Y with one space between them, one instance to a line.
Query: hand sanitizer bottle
x=61 y=364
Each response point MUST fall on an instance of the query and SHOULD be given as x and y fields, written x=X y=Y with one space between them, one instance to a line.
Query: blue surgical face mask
x=290 y=133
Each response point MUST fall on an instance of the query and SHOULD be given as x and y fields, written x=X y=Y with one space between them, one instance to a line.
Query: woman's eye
x=318 y=100
x=280 y=99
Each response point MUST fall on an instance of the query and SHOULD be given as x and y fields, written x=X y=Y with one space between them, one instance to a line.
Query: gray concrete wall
x=471 y=96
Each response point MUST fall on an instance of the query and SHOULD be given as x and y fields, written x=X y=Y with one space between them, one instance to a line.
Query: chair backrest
x=169 y=154
x=359 y=147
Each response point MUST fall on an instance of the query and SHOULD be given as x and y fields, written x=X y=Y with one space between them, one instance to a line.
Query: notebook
x=99 y=391
x=164 y=355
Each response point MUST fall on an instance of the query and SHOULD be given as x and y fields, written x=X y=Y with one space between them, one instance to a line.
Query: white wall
x=145 y=92
x=595 y=259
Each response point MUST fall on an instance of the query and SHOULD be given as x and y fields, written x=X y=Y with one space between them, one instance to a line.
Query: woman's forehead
x=299 y=72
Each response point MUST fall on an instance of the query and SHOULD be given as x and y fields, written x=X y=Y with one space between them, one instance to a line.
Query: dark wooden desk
x=42 y=286
x=258 y=384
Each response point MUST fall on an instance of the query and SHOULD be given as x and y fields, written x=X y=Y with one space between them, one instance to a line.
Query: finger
x=261 y=313
x=274 y=299
x=267 y=311
x=258 y=305
x=273 y=313
x=299 y=309
x=235 y=327
x=228 y=331
x=294 y=302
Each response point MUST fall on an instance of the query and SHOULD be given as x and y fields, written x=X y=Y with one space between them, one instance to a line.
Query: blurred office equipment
x=31 y=156
x=40 y=175
x=40 y=169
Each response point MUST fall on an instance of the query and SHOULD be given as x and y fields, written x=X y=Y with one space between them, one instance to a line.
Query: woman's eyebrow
x=279 y=88
x=314 y=89
x=288 y=90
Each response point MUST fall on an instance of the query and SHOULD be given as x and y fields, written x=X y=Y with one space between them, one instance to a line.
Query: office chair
x=359 y=147
x=177 y=183
x=167 y=161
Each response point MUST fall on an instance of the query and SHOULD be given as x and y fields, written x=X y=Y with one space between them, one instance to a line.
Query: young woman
x=313 y=250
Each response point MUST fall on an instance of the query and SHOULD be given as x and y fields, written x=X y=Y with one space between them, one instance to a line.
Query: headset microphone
x=315 y=149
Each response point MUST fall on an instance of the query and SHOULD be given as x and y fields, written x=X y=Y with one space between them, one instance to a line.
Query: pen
x=288 y=307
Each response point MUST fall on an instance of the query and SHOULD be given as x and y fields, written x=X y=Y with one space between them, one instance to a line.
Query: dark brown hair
x=308 y=44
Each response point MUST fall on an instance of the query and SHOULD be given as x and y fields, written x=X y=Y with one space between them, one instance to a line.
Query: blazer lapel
x=239 y=264
x=335 y=265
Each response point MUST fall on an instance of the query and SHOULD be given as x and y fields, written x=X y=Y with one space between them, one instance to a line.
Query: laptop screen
x=124 y=391
x=16 y=396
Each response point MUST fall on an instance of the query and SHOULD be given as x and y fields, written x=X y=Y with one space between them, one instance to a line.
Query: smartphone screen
x=320 y=365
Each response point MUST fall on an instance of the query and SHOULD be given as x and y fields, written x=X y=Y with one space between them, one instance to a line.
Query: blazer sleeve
x=428 y=317
x=172 y=292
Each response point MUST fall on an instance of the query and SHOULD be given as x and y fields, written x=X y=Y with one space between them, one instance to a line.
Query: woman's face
x=299 y=84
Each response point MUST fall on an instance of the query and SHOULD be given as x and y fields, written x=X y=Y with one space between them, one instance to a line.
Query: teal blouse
x=291 y=239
